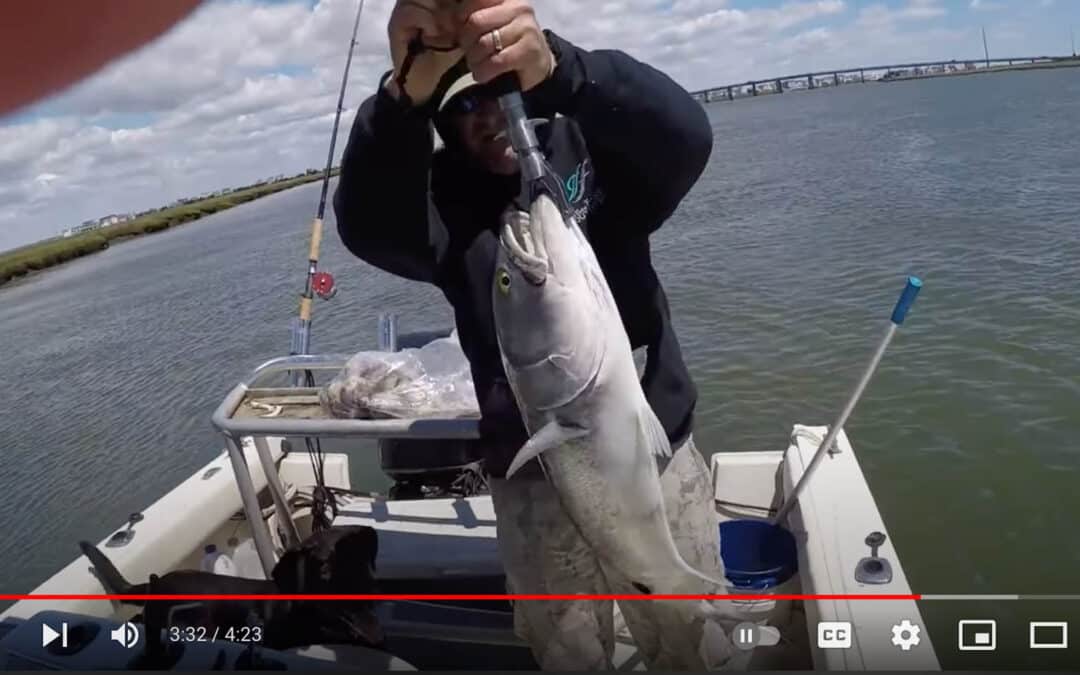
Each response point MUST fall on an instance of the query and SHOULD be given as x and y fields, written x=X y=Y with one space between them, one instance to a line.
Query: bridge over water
x=898 y=71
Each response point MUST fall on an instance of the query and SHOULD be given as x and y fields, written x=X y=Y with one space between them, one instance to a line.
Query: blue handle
x=907 y=299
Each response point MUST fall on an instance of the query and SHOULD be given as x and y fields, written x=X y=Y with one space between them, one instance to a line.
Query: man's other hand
x=436 y=22
x=502 y=36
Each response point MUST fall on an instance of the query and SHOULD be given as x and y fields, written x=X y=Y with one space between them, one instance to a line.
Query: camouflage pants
x=543 y=553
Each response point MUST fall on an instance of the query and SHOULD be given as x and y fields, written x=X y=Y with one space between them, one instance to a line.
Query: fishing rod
x=320 y=283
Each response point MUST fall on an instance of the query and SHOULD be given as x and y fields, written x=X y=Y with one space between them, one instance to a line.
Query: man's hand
x=502 y=36
x=437 y=23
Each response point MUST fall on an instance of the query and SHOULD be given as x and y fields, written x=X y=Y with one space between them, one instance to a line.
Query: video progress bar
x=930 y=596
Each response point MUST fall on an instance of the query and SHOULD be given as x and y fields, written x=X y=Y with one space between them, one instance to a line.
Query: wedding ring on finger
x=497 y=40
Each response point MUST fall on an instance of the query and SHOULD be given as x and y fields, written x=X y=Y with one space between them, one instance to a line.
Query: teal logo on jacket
x=574 y=185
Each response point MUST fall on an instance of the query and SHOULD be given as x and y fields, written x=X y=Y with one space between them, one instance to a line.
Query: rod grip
x=507 y=83
x=316 y=239
x=907 y=299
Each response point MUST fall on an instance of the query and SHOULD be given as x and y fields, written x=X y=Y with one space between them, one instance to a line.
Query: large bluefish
x=570 y=365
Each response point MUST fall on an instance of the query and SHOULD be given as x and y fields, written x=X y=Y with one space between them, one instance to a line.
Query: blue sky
x=244 y=89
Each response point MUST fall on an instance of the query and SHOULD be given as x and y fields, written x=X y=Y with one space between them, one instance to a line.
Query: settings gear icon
x=905 y=635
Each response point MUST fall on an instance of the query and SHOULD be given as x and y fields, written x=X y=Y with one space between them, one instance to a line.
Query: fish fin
x=724 y=612
x=551 y=435
x=652 y=432
x=714 y=586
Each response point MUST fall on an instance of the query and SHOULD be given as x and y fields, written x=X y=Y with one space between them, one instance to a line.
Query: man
x=628 y=145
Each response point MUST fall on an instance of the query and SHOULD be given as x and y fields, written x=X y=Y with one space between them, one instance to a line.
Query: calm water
x=781 y=266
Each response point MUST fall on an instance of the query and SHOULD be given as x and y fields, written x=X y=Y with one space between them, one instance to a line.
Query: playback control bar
x=996 y=597
x=53 y=640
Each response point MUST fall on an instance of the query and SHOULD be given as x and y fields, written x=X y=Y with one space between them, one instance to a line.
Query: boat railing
x=225 y=418
x=237 y=419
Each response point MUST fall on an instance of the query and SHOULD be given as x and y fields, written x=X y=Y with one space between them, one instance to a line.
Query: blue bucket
x=757 y=555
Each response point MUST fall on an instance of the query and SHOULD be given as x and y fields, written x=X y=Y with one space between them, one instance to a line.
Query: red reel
x=323 y=285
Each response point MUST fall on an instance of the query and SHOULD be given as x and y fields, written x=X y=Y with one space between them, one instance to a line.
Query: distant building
x=95 y=223
x=87 y=226
x=113 y=219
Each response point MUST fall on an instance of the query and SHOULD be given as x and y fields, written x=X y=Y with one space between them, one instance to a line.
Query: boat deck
x=430 y=537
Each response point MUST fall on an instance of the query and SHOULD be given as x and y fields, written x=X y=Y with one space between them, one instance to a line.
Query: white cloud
x=923 y=9
x=242 y=90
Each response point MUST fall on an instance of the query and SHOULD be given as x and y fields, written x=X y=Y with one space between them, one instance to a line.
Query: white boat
x=446 y=544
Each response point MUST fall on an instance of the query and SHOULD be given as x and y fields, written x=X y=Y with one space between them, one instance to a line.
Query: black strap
x=416 y=48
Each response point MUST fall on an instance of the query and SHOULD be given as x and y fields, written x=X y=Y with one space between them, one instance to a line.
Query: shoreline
x=28 y=262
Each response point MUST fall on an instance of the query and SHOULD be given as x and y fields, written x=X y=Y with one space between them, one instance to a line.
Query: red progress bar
x=447 y=597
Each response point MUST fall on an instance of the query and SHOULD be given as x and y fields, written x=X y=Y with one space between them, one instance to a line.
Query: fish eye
x=502 y=279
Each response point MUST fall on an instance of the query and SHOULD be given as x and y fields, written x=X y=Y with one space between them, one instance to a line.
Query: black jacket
x=629 y=145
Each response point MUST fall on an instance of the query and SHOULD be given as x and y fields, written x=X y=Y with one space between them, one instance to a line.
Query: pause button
x=747 y=635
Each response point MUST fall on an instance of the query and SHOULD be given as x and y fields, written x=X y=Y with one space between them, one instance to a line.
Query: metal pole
x=986 y=50
x=277 y=492
x=388 y=337
x=907 y=297
x=301 y=330
x=250 y=499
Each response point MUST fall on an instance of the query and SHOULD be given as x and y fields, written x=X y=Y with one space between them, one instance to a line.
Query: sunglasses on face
x=465 y=103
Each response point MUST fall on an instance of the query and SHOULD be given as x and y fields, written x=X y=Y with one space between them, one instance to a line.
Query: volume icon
x=127 y=635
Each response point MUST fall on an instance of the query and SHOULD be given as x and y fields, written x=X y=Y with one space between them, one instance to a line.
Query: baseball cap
x=462 y=95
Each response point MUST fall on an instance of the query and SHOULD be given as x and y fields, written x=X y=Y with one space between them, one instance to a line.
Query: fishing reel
x=322 y=284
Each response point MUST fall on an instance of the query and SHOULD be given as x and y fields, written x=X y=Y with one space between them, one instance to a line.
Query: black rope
x=469 y=483
x=416 y=48
x=322 y=499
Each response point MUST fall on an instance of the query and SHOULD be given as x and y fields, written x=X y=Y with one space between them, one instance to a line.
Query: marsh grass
x=42 y=255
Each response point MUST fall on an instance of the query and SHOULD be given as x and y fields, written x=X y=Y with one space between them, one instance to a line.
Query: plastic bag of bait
x=433 y=381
